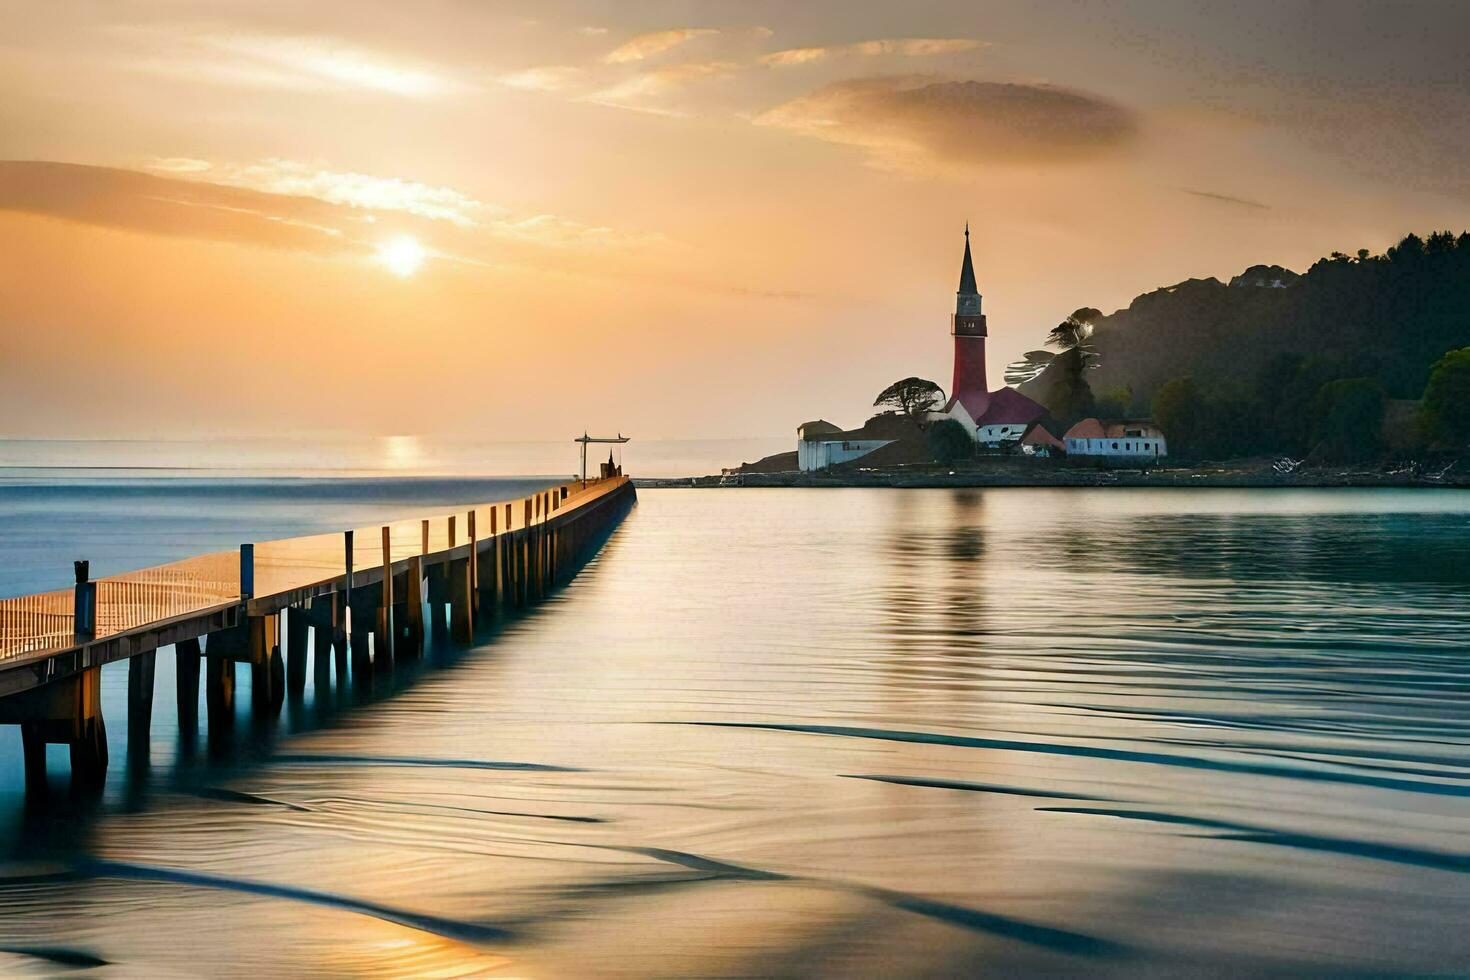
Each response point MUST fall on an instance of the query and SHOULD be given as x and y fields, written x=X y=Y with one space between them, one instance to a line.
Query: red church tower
x=967 y=326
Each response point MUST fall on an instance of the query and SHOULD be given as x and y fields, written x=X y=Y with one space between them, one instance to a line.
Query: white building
x=820 y=445
x=1126 y=440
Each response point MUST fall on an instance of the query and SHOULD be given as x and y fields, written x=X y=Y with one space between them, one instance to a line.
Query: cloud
x=134 y=201
x=657 y=42
x=643 y=91
x=1227 y=199
x=354 y=190
x=294 y=63
x=912 y=47
x=285 y=205
x=921 y=122
x=547 y=78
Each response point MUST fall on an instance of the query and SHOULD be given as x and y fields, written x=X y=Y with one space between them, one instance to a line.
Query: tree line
x=1312 y=369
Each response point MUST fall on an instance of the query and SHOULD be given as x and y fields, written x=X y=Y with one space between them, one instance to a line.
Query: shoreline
x=1223 y=476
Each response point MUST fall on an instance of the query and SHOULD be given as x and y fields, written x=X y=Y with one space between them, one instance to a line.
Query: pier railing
x=36 y=624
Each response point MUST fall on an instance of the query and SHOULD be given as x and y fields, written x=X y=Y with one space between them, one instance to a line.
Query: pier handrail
x=34 y=625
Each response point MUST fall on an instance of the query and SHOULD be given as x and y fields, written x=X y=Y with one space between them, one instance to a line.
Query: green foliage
x=949 y=442
x=1176 y=412
x=1240 y=370
x=1446 y=409
x=1347 y=419
x=1064 y=389
x=1208 y=423
x=1115 y=403
x=912 y=397
x=1388 y=317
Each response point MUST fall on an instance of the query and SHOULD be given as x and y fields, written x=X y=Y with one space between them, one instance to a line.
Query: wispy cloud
x=546 y=78
x=911 y=47
x=550 y=229
x=127 y=199
x=354 y=190
x=287 y=62
x=287 y=205
x=653 y=43
x=643 y=91
x=1227 y=199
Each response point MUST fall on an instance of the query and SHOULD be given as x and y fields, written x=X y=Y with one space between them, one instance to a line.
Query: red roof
x=1086 y=429
x=1009 y=407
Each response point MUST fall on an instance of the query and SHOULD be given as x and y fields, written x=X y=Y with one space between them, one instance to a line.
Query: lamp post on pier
x=585 y=439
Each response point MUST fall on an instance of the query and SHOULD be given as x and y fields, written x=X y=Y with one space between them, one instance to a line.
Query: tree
x=1115 y=403
x=1446 y=408
x=1074 y=330
x=913 y=397
x=949 y=442
x=1176 y=410
x=1348 y=418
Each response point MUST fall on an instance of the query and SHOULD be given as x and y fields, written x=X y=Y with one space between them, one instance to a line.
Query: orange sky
x=678 y=219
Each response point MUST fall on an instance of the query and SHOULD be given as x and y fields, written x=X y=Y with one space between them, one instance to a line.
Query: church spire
x=967 y=271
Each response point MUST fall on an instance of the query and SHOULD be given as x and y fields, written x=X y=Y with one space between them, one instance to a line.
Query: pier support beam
x=267 y=672
x=321 y=614
x=385 y=636
x=438 y=584
x=412 y=622
x=140 y=706
x=461 y=601
x=296 y=651
x=66 y=712
x=219 y=697
x=186 y=684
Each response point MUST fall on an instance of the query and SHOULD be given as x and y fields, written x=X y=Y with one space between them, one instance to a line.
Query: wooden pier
x=360 y=595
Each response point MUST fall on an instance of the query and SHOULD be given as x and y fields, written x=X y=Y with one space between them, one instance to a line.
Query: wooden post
x=525 y=556
x=340 y=637
x=186 y=683
x=339 y=634
x=219 y=695
x=413 y=605
x=89 y=736
x=296 y=652
x=461 y=608
x=266 y=672
x=33 y=754
x=424 y=528
x=383 y=641
x=84 y=601
x=474 y=558
x=364 y=616
x=247 y=571
x=490 y=576
x=438 y=585
x=140 y=705
x=321 y=614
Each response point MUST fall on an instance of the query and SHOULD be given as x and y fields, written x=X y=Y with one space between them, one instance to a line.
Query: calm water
x=841 y=732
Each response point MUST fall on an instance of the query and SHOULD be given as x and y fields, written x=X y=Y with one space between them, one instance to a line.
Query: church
x=994 y=419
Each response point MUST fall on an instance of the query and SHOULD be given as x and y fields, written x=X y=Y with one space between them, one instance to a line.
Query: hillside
x=1383 y=317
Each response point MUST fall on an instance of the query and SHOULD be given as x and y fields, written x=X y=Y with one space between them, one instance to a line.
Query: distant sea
x=127 y=504
x=399 y=455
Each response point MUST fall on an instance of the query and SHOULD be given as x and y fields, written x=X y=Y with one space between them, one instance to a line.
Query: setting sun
x=403 y=255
